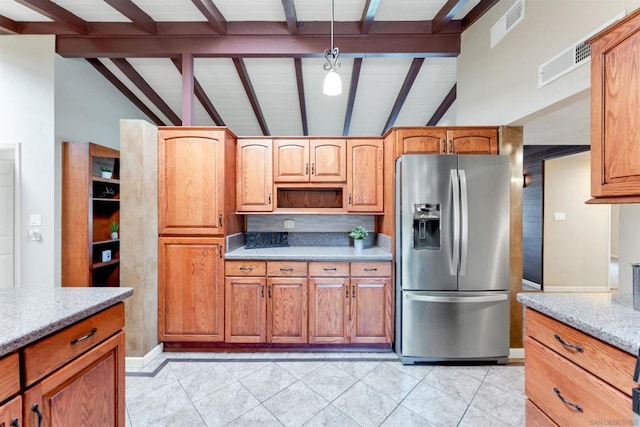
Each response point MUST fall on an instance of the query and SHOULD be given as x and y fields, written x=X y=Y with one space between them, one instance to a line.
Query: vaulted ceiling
x=256 y=66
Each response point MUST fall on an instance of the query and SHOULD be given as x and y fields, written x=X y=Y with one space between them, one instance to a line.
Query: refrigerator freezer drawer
x=438 y=326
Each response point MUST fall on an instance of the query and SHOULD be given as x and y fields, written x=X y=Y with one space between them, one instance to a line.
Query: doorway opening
x=9 y=215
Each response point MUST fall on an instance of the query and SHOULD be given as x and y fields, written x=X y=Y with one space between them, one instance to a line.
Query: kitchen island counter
x=33 y=313
x=310 y=253
x=607 y=316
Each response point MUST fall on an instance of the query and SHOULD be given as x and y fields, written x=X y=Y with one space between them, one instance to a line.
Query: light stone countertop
x=310 y=253
x=29 y=314
x=607 y=316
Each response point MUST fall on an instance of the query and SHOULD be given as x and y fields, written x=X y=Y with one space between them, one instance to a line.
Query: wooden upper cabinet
x=472 y=141
x=254 y=184
x=190 y=181
x=364 y=175
x=423 y=141
x=303 y=160
x=615 y=97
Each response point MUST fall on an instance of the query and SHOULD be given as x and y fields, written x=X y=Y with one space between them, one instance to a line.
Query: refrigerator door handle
x=455 y=188
x=464 y=221
x=450 y=299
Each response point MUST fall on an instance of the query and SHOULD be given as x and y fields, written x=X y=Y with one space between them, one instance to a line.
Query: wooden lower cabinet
x=371 y=310
x=287 y=310
x=246 y=314
x=11 y=413
x=328 y=310
x=190 y=289
x=89 y=391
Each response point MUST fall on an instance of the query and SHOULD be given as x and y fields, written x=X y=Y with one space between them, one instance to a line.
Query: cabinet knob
x=269 y=199
x=313 y=168
x=15 y=422
x=35 y=408
x=306 y=168
x=220 y=220
x=349 y=198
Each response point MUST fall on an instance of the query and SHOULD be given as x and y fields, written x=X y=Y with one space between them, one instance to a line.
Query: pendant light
x=332 y=82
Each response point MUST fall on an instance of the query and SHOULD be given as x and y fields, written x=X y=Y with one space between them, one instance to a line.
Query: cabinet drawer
x=245 y=268
x=50 y=353
x=601 y=359
x=537 y=418
x=549 y=378
x=9 y=376
x=329 y=269
x=294 y=269
x=370 y=269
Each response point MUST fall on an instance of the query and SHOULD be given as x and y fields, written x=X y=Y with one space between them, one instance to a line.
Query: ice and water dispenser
x=426 y=226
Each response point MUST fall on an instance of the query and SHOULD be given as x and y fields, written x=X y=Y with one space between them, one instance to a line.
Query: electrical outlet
x=289 y=224
x=559 y=216
x=34 y=235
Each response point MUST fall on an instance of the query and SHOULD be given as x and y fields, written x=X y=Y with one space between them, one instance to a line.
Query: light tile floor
x=320 y=389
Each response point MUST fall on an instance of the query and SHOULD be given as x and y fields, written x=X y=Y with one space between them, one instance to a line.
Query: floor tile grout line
x=474 y=396
x=190 y=399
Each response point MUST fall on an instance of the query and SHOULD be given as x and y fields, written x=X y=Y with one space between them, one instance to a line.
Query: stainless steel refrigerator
x=452 y=258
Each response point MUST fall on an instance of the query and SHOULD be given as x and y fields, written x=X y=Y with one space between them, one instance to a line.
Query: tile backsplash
x=310 y=223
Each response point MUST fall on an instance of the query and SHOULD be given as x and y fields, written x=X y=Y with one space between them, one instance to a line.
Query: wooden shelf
x=106 y=242
x=98 y=199
x=108 y=180
x=105 y=264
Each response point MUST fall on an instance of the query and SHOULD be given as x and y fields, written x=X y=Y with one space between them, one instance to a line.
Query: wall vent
x=572 y=57
x=507 y=22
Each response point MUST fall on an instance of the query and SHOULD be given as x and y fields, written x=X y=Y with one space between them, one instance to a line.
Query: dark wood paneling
x=533 y=204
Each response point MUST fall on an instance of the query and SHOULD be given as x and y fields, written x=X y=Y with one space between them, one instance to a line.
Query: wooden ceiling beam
x=57 y=13
x=251 y=94
x=353 y=89
x=259 y=46
x=102 y=69
x=477 y=12
x=290 y=14
x=209 y=10
x=443 y=107
x=8 y=26
x=409 y=79
x=202 y=96
x=146 y=89
x=446 y=14
x=368 y=15
x=301 y=100
x=137 y=16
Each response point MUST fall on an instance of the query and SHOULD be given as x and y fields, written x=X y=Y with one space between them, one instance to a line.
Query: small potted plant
x=114 y=230
x=106 y=172
x=358 y=234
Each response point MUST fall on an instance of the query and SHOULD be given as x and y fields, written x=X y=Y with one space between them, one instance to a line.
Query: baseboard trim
x=532 y=284
x=576 y=289
x=141 y=362
x=516 y=353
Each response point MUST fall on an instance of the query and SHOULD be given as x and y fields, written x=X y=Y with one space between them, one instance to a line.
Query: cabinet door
x=287 y=310
x=190 y=289
x=246 y=314
x=291 y=160
x=328 y=160
x=364 y=175
x=190 y=177
x=371 y=310
x=422 y=141
x=11 y=413
x=254 y=175
x=328 y=310
x=473 y=141
x=89 y=391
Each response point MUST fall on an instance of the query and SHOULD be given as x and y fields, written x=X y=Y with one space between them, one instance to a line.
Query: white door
x=7 y=217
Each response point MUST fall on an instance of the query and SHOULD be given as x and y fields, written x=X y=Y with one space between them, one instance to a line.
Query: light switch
x=35 y=220
x=559 y=216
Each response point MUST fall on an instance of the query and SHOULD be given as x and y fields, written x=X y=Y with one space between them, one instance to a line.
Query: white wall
x=27 y=117
x=499 y=85
x=615 y=230
x=629 y=245
x=576 y=250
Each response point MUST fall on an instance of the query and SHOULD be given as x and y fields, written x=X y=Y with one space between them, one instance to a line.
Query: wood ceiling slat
x=145 y=88
x=414 y=69
x=59 y=14
x=213 y=15
x=477 y=12
x=444 y=106
x=202 y=97
x=353 y=89
x=139 y=18
x=251 y=94
x=290 y=13
x=368 y=15
x=446 y=14
x=188 y=79
x=303 y=105
x=100 y=67
x=8 y=26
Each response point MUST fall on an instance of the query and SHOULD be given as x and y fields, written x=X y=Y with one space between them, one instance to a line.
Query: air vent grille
x=514 y=14
x=507 y=22
x=570 y=58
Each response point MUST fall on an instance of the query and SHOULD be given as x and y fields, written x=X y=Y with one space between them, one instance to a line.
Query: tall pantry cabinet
x=196 y=210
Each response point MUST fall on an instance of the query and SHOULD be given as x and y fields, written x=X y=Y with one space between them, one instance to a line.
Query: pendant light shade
x=332 y=82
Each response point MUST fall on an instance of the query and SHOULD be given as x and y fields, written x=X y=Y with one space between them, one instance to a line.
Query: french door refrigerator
x=452 y=258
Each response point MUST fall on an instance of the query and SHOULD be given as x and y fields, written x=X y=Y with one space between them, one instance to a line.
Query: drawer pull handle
x=578 y=348
x=286 y=270
x=567 y=402
x=84 y=337
x=246 y=268
x=330 y=269
x=15 y=422
x=370 y=269
x=36 y=409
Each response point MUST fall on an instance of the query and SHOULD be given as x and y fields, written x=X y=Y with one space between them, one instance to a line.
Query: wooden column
x=187 y=89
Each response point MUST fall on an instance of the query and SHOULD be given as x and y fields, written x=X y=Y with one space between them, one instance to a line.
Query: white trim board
x=141 y=362
x=516 y=353
x=576 y=289
x=531 y=284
